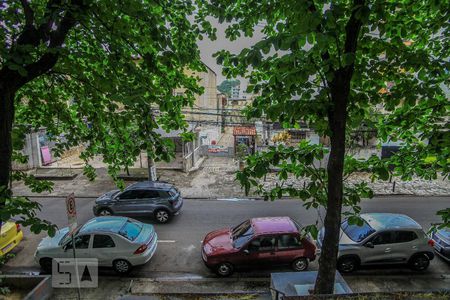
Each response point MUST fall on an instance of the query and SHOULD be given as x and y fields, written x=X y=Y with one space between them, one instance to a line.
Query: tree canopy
x=100 y=72
x=329 y=64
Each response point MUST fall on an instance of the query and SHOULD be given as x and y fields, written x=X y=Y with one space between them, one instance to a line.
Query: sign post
x=72 y=218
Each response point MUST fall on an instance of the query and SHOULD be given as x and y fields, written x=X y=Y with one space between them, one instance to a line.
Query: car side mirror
x=65 y=247
x=369 y=245
x=246 y=251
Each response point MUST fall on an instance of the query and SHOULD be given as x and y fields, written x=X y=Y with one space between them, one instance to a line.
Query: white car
x=117 y=242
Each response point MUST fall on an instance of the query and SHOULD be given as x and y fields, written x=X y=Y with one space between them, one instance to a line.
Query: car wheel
x=419 y=262
x=224 y=269
x=46 y=264
x=121 y=266
x=300 y=264
x=347 y=264
x=162 y=216
x=104 y=212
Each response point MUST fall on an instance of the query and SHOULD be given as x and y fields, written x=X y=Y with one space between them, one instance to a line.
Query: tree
x=226 y=85
x=101 y=72
x=328 y=63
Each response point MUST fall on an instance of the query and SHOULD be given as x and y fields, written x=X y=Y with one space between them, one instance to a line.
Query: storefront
x=246 y=136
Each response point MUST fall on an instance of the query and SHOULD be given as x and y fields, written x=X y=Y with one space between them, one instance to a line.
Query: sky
x=208 y=48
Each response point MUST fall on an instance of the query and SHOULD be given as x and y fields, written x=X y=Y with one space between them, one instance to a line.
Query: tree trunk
x=6 y=121
x=337 y=122
x=337 y=118
x=151 y=167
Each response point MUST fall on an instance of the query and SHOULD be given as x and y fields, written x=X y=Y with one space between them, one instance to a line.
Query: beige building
x=206 y=107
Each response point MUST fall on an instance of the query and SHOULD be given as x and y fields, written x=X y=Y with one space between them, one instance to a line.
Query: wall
x=207 y=150
x=208 y=102
x=209 y=134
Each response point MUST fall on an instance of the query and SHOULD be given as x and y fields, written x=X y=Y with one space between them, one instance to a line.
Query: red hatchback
x=256 y=242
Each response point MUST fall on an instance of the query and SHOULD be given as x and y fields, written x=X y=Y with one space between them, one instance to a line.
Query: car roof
x=383 y=221
x=156 y=185
x=273 y=225
x=110 y=224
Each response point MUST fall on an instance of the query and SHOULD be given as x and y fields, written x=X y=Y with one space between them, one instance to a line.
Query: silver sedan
x=116 y=242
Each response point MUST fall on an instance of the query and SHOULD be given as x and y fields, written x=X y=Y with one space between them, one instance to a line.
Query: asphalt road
x=178 y=253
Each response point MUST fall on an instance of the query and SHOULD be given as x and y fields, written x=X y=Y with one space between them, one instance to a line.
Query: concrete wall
x=38 y=287
x=208 y=134
x=226 y=152
x=32 y=151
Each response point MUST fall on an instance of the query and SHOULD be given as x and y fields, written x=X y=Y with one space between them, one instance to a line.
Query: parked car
x=147 y=198
x=10 y=236
x=117 y=242
x=441 y=238
x=383 y=238
x=257 y=242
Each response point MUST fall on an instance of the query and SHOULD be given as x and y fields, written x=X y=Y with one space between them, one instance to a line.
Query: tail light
x=141 y=249
x=431 y=243
x=18 y=229
x=173 y=201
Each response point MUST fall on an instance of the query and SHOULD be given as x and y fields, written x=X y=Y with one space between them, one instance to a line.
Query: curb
x=55 y=178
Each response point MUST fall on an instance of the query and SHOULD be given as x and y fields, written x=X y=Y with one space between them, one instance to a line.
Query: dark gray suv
x=159 y=199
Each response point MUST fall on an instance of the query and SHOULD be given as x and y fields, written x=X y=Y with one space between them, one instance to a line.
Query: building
x=235 y=92
x=206 y=105
x=206 y=112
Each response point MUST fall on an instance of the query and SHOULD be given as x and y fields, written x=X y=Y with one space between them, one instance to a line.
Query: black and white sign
x=71 y=273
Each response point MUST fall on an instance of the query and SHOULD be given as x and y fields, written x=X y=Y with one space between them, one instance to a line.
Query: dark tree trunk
x=328 y=258
x=337 y=118
x=6 y=121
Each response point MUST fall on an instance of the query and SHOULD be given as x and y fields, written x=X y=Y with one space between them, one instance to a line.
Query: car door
x=382 y=251
x=405 y=244
x=289 y=247
x=261 y=250
x=147 y=201
x=82 y=247
x=104 y=249
x=125 y=203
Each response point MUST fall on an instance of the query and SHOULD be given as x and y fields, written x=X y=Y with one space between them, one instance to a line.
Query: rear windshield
x=241 y=234
x=130 y=230
x=355 y=232
x=173 y=192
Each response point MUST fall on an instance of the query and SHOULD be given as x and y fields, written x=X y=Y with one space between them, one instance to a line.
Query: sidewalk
x=214 y=179
x=234 y=288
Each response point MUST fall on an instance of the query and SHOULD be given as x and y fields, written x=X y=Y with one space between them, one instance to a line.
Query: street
x=178 y=253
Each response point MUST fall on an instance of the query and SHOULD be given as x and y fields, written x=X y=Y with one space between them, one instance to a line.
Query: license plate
x=7 y=248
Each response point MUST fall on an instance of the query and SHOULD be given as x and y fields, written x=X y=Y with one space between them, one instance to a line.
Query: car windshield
x=241 y=234
x=66 y=237
x=355 y=232
x=130 y=230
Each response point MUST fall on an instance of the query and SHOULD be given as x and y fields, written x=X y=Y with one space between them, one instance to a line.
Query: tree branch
x=352 y=30
x=56 y=38
x=29 y=13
